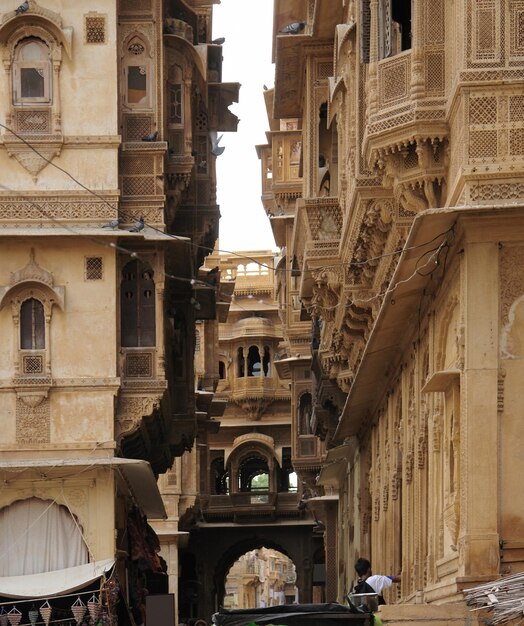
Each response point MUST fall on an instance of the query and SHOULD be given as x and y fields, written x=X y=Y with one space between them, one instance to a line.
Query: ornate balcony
x=246 y=507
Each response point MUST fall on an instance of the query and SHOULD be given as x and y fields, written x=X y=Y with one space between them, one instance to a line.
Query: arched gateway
x=213 y=559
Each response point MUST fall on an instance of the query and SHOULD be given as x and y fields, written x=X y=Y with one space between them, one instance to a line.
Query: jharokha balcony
x=253 y=506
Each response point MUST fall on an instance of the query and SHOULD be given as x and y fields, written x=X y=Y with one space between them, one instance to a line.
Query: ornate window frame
x=136 y=53
x=43 y=68
x=39 y=119
x=32 y=282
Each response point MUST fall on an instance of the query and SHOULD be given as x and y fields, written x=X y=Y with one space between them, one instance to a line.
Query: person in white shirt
x=376 y=582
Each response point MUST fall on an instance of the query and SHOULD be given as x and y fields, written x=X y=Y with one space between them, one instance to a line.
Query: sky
x=247 y=26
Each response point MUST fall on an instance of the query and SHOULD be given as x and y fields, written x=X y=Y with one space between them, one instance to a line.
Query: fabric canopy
x=53 y=583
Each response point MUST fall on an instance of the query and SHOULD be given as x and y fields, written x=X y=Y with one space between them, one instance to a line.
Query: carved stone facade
x=412 y=112
x=99 y=260
x=248 y=491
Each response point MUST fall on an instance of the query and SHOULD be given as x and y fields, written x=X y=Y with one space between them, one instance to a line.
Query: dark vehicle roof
x=294 y=615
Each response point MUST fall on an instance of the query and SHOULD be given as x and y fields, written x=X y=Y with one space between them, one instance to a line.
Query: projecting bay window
x=393 y=20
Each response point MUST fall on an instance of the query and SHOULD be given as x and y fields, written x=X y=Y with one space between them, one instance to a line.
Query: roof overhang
x=137 y=475
x=285 y=367
x=54 y=583
x=389 y=337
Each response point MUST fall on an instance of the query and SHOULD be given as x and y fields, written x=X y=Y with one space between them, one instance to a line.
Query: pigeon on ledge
x=138 y=226
x=294 y=28
x=22 y=8
x=113 y=223
x=150 y=136
x=219 y=41
x=215 y=148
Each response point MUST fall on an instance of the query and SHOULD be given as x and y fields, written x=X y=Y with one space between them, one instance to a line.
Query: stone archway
x=213 y=559
x=235 y=552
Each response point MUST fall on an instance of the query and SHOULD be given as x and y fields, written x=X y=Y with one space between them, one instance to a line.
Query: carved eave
x=388 y=338
x=279 y=224
x=378 y=142
x=197 y=55
x=285 y=367
x=37 y=15
x=221 y=97
x=289 y=75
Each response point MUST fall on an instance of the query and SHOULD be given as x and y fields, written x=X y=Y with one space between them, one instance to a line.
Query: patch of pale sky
x=247 y=26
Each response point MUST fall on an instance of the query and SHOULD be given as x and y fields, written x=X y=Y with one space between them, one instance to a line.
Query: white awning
x=55 y=583
x=138 y=475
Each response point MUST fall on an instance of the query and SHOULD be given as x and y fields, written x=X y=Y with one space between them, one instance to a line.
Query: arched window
x=32 y=72
x=221 y=370
x=240 y=362
x=137 y=73
x=137 y=305
x=253 y=361
x=39 y=536
x=253 y=474
x=304 y=414
x=32 y=325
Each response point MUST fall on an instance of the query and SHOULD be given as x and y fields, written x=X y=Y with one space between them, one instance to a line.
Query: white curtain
x=39 y=536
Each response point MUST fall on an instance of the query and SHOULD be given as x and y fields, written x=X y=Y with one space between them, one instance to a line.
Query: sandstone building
x=246 y=493
x=392 y=178
x=109 y=118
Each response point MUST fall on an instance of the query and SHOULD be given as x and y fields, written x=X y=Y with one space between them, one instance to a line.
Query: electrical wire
x=190 y=243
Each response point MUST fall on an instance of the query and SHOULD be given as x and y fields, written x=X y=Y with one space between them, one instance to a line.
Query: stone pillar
x=479 y=440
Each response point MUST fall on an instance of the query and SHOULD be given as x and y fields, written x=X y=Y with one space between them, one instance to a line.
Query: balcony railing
x=246 y=506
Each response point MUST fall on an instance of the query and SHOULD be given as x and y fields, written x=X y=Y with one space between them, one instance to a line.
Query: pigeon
x=138 y=226
x=215 y=148
x=22 y=8
x=113 y=223
x=169 y=30
x=151 y=136
x=265 y=87
x=219 y=41
x=212 y=275
x=294 y=28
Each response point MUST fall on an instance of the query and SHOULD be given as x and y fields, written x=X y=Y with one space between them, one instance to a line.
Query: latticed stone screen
x=307 y=447
x=95 y=29
x=137 y=126
x=28 y=121
x=393 y=79
x=33 y=364
x=496 y=127
x=324 y=70
x=94 y=268
x=139 y=365
x=138 y=176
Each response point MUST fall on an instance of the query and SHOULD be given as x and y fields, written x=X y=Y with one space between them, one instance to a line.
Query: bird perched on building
x=294 y=28
x=215 y=148
x=219 y=41
x=150 y=136
x=213 y=275
x=113 y=223
x=169 y=30
x=22 y=8
x=138 y=226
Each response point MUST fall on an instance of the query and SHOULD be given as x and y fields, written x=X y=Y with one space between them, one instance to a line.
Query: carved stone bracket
x=131 y=410
x=254 y=407
x=372 y=237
